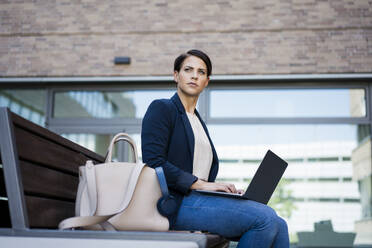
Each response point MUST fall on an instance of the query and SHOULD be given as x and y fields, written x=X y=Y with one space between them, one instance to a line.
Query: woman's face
x=192 y=77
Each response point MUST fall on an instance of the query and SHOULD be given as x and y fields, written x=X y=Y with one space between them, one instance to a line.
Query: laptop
x=263 y=183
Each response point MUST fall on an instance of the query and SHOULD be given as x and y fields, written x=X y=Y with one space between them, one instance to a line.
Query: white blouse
x=203 y=155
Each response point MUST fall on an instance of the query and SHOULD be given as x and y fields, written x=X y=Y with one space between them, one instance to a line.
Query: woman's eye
x=202 y=72
x=187 y=69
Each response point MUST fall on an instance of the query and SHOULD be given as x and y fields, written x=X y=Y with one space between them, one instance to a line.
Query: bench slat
x=40 y=151
x=22 y=123
x=47 y=213
x=47 y=182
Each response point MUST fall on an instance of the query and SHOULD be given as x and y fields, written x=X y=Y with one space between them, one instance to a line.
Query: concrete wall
x=81 y=38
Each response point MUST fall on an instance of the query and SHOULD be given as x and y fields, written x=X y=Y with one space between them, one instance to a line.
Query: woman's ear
x=175 y=76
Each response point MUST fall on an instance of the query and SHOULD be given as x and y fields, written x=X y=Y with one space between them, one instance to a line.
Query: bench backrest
x=39 y=175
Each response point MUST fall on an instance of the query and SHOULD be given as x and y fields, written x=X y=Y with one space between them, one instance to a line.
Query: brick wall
x=81 y=38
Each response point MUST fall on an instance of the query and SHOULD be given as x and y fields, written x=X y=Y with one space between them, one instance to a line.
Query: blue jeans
x=252 y=223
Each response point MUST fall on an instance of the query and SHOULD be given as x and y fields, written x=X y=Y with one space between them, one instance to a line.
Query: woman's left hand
x=214 y=186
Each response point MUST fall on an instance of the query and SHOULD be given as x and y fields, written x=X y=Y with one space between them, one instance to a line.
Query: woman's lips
x=192 y=84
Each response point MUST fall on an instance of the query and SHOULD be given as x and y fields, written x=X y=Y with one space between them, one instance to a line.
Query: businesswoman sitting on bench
x=175 y=137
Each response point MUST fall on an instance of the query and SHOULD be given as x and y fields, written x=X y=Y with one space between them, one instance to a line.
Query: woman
x=175 y=137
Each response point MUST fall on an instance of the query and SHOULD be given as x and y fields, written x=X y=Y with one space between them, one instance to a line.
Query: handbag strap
x=83 y=221
x=92 y=187
x=162 y=181
x=131 y=186
x=124 y=137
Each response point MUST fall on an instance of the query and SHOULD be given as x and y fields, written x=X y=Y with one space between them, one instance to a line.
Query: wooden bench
x=38 y=183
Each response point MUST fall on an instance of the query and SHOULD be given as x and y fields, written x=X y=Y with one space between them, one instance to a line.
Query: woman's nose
x=195 y=75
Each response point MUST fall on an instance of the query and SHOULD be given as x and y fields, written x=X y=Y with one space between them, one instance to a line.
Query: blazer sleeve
x=156 y=132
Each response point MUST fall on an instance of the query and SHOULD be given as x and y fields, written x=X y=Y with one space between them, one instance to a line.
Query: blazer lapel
x=188 y=129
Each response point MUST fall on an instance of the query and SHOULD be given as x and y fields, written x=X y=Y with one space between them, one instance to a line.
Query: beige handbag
x=117 y=195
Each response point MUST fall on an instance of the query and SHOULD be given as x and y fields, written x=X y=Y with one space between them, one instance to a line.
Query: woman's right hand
x=213 y=186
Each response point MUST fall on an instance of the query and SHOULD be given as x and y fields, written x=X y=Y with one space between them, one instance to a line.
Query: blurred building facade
x=292 y=76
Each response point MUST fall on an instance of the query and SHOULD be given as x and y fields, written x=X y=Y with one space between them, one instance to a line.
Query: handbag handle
x=124 y=137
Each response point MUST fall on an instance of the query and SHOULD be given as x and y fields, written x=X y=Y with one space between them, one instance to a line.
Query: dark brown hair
x=197 y=53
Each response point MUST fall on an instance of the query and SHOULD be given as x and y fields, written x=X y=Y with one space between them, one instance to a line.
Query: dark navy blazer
x=168 y=141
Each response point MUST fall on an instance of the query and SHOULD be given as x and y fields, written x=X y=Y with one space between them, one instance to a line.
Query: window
x=288 y=103
x=104 y=104
x=29 y=104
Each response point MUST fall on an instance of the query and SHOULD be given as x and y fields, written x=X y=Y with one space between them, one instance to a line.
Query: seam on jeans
x=225 y=209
